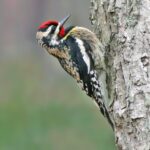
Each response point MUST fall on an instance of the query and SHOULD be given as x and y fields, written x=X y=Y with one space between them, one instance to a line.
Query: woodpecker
x=77 y=50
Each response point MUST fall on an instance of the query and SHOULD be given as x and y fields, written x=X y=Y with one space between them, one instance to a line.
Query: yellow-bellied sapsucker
x=74 y=47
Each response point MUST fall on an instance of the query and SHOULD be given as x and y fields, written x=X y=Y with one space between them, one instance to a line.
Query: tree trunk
x=123 y=27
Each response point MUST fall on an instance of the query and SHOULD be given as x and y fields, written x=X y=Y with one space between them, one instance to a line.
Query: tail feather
x=97 y=96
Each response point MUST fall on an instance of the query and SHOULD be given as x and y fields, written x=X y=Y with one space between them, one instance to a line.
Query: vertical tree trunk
x=123 y=27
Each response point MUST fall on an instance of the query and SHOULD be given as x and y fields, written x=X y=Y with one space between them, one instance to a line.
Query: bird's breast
x=71 y=68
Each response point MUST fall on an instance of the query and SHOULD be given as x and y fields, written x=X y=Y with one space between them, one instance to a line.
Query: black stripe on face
x=45 y=41
x=53 y=29
x=42 y=29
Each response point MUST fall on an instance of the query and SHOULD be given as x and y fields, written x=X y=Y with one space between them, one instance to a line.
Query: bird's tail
x=98 y=97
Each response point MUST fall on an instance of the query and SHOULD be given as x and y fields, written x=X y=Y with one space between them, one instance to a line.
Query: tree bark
x=123 y=27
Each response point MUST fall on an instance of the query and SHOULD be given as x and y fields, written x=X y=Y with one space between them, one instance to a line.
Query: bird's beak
x=63 y=21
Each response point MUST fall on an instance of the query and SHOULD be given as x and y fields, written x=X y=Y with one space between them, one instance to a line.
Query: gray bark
x=123 y=27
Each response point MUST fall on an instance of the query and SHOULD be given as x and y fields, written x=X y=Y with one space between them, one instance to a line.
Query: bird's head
x=50 y=32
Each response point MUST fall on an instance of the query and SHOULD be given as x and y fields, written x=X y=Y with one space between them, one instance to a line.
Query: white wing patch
x=84 y=54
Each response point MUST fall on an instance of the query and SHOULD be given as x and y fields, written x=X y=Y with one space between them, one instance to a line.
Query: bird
x=79 y=52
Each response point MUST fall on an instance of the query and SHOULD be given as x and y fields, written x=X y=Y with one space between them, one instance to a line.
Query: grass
x=47 y=112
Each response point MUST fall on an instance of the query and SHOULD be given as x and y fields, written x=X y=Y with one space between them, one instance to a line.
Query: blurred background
x=41 y=106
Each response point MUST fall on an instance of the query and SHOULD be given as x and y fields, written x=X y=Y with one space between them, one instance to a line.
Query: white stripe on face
x=56 y=31
x=55 y=36
x=45 y=34
x=84 y=54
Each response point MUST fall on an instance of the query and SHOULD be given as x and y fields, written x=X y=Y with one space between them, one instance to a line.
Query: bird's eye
x=53 y=29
